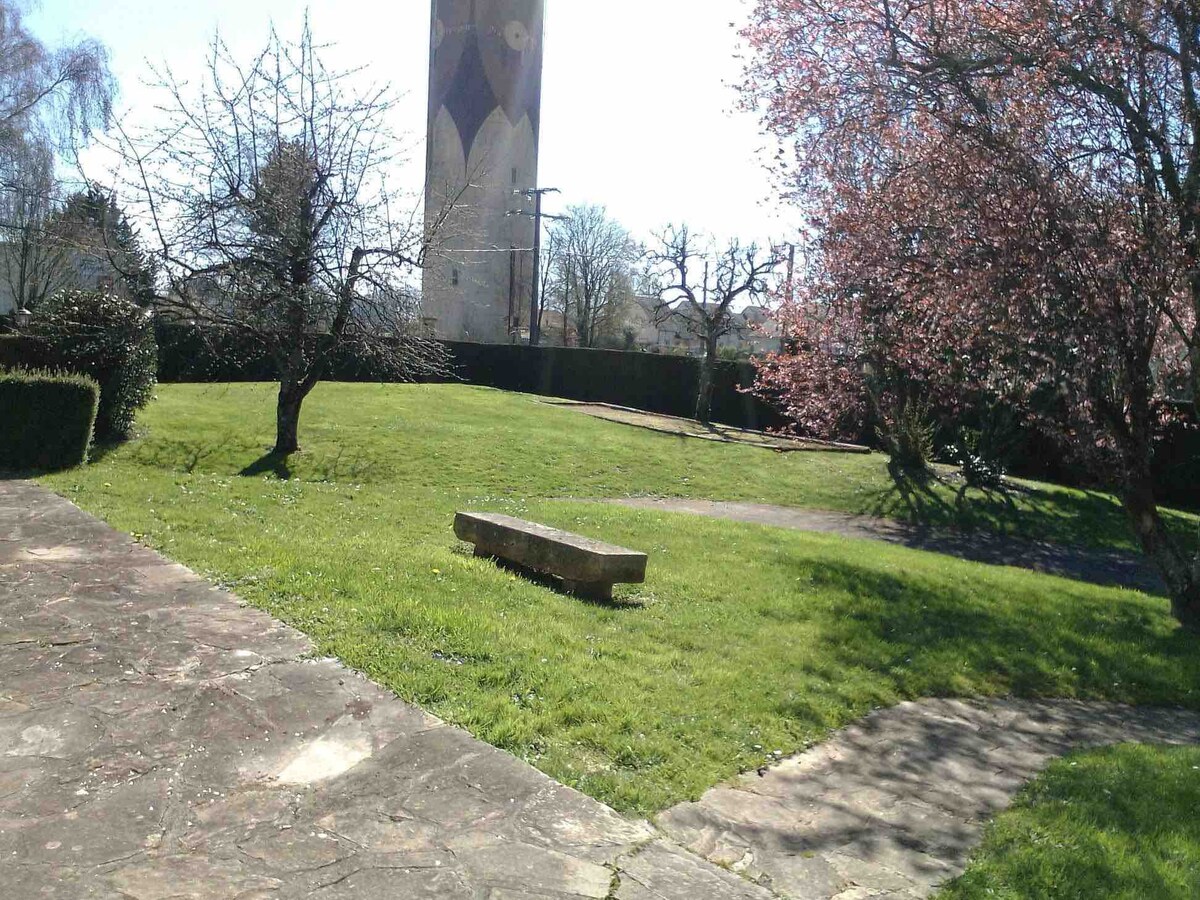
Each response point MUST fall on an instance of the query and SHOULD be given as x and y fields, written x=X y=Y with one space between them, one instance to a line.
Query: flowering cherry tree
x=1006 y=195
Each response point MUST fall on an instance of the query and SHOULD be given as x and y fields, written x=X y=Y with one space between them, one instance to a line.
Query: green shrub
x=15 y=351
x=909 y=437
x=46 y=420
x=111 y=340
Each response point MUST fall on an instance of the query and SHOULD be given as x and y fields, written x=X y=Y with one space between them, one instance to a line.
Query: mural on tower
x=485 y=89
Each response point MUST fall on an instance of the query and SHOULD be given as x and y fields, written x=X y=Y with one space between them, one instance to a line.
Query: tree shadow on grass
x=1131 y=798
x=911 y=496
x=274 y=464
x=1067 y=517
x=325 y=469
x=915 y=495
x=179 y=456
x=937 y=637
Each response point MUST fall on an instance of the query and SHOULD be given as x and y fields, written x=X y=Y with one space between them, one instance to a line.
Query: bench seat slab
x=550 y=551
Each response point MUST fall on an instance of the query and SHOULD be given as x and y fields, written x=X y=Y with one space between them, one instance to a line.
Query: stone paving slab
x=159 y=740
x=662 y=871
x=892 y=807
x=1109 y=568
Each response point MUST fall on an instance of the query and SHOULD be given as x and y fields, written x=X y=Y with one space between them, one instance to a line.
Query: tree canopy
x=267 y=187
x=1006 y=195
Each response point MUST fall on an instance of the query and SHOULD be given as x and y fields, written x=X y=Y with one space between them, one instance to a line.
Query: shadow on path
x=1103 y=567
x=894 y=805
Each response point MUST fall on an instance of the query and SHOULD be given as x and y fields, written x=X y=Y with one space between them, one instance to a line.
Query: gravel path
x=1094 y=566
x=690 y=428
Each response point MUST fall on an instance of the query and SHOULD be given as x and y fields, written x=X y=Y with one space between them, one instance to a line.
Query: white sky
x=639 y=112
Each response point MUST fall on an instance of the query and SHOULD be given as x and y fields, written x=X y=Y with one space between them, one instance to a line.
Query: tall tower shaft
x=485 y=93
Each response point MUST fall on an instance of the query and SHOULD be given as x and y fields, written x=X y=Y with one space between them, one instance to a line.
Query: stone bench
x=588 y=568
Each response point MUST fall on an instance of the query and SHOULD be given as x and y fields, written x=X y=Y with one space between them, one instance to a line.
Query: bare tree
x=34 y=263
x=706 y=303
x=552 y=282
x=49 y=99
x=595 y=259
x=268 y=192
x=48 y=96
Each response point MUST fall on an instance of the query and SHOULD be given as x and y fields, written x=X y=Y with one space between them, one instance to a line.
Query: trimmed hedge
x=48 y=420
x=653 y=382
x=17 y=351
x=658 y=383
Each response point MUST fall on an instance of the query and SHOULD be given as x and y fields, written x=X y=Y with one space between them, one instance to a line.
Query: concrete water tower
x=485 y=93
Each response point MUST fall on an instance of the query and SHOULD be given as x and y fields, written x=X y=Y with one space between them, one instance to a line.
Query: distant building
x=757 y=331
x=642 y=323
x=485 y=91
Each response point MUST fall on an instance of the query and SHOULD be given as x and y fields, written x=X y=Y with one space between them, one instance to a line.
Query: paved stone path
x=893 y=806
x=161 y=741
x=1094 y=566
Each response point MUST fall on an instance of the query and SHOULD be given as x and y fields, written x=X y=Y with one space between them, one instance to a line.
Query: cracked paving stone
x=160 y=740
x=661 y=871
x=894 y=805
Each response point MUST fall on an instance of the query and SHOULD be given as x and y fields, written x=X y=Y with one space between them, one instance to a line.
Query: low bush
x=909 y=437
x=109 y=339
x=15 y=351
x=987 y=452
x=48 y=419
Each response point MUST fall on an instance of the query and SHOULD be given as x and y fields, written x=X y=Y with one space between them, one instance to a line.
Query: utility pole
x=535 y=325
x=536 y=194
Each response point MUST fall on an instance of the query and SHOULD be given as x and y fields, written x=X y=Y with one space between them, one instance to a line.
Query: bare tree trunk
x=707 y=378
x=287 y=419
x=585 y=322
x=1194 y=371
x=1177 y=567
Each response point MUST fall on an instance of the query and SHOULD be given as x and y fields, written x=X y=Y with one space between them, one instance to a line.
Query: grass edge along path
x=747 y=640
x=1113 y=824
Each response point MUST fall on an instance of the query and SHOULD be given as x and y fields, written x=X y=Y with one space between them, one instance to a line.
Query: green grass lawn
x=744 y=641
x=1120 y=824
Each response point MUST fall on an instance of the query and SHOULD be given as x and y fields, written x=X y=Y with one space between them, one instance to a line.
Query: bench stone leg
x=592 y=590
